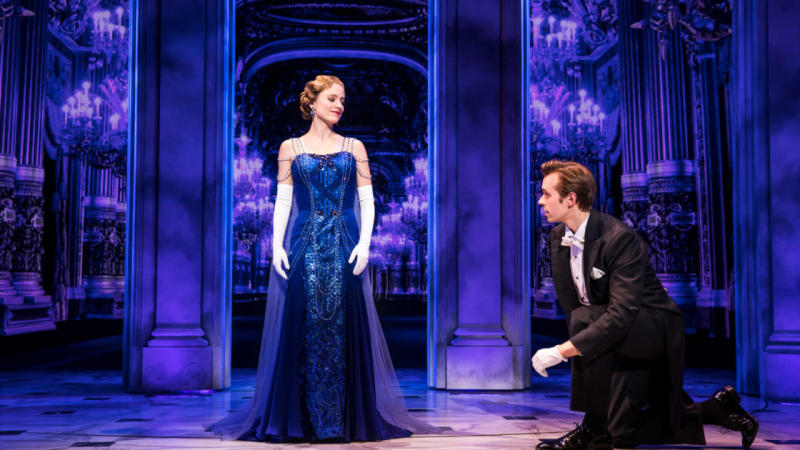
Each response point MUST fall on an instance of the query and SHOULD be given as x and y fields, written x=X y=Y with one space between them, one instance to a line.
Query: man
x=626 y=334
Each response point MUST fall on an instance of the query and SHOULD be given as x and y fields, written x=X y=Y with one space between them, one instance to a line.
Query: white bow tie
x=571 y=239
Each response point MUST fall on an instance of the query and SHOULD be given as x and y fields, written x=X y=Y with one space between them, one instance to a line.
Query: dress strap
x=297 y=146
x=350 y=143
x=359 y=161
x=288 y=172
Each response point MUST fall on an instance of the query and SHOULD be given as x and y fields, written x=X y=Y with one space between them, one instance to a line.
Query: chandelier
x=553 y=40
x=566 y=122
x=103 y=141
x=109 y=35
x=415 y=207
x=251 y=208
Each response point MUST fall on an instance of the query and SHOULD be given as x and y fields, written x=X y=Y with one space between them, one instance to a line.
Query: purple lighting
x=108 y=33
x=400 y=242
x=252 y=213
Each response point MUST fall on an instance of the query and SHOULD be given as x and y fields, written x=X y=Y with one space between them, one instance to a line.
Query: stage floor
x=58 y=409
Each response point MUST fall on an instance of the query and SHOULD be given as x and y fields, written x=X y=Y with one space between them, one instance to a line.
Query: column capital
x=8 y=163
x=670 y=168
x=30 y=174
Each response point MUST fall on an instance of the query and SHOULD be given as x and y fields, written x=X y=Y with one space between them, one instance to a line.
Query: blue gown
x=323 y=385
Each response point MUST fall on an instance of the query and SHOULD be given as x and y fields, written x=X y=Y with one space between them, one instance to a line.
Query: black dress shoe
x=578 y=439
x=736 y=418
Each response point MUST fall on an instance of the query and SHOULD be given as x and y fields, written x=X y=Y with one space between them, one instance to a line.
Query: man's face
x=556 y=208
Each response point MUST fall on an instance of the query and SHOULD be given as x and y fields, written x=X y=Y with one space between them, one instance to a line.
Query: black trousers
x=630 y=384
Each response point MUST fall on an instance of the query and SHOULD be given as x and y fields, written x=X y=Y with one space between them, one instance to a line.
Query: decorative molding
x=398 y=21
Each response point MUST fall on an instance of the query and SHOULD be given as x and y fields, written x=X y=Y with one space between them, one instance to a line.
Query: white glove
x=280 y=218
x=361 y=251
x=546 y=357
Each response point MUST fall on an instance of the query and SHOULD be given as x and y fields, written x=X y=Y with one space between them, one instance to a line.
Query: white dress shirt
x=576 y=260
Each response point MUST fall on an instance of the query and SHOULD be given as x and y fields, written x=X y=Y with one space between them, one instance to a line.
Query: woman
x=324 y=371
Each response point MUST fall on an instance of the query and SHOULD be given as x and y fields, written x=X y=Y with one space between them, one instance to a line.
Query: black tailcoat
x=628 y=286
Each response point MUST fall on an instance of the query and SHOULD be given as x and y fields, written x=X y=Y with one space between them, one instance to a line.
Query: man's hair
x=573 y=177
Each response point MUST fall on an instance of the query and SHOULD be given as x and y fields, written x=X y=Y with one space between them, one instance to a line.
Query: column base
x=27 y=283
x=177 y=359
x=545 y=301
x=76 y=302
x=6 y=288
x=172 y=369
x=119 y=283
x=480 y=358
x=99 y=285
x=103 y=298
x=29 y=314
x=480 y=367
x=105 y=307
x=781 y=364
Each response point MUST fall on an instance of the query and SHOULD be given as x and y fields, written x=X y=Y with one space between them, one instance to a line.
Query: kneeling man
x=626 y=334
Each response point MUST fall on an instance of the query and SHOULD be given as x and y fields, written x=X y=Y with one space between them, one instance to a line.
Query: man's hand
x=546 y=357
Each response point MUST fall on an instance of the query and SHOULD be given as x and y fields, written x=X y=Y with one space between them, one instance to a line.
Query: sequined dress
x=323 y=388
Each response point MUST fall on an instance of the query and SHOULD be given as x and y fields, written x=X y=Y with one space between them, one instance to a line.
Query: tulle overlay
x=324 y=371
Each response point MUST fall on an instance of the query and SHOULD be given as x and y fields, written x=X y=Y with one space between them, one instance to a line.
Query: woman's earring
x=312 y=112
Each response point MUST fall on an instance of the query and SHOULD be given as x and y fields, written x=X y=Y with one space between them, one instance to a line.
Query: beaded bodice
x=325 y=194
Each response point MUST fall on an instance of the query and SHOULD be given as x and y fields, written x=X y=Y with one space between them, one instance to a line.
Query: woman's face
x=329 y=105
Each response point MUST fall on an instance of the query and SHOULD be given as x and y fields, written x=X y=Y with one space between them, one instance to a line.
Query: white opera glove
x=360 y=253
x=280 y=218
x=546 y=357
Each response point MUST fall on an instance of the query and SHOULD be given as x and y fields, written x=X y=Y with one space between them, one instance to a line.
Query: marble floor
x=65 y=409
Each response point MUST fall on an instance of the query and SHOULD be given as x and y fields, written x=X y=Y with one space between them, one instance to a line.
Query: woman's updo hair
x=312 y=90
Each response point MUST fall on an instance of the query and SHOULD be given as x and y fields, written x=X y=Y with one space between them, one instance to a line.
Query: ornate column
x=545 y=302
x=29 y=151
x=73 y=176
x=178 y=293
x=633 y=123
x=9 y=68
x=27 y=261
x=479 y=307
x=121 y=210
x=713 y=212
x=29 y=204
x=9 y=78
x=100 y=242
x=7 y=223
x=671 y=224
